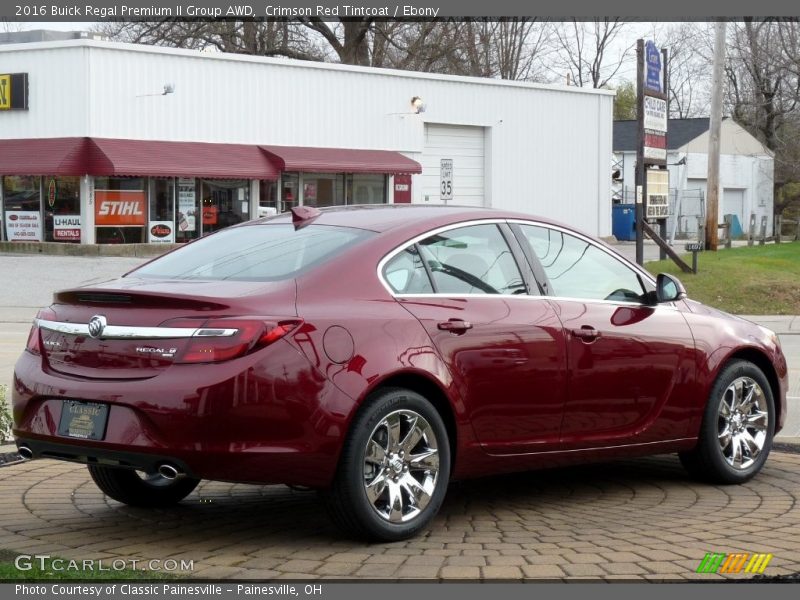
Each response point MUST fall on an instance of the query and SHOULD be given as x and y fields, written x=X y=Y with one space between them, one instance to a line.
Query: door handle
x=457 y=326
x=586 y=333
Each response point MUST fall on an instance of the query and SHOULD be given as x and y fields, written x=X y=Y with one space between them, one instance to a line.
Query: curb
x=62 y=249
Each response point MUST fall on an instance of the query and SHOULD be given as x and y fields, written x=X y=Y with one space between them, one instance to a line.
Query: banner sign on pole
x=655 y=114
x=657 y=194
x=653 y=74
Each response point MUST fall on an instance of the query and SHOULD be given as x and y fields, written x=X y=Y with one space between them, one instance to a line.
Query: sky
x=626 y=73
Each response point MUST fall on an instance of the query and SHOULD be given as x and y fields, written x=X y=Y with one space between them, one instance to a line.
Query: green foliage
x=625 y=102
x=5 y=416
x=757 y=280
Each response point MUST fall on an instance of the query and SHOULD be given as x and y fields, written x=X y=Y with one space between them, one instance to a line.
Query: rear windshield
x=254 y=253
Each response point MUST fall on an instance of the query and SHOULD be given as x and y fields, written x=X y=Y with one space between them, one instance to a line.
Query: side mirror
x=669 y=288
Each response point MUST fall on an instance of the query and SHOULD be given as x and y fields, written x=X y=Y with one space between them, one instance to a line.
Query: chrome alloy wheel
x=742 y=422
x=401 y=466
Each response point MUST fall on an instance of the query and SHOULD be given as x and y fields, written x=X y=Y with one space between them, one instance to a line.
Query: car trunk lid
x=135 y=328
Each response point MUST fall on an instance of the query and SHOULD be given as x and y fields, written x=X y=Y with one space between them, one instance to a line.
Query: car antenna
x=303 y=215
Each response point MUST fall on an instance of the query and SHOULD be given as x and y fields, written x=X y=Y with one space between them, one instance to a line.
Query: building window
x=323 y=189
x=188 y=220
x=226 y=202
x=326 y=189
x=120 y=205
x=268 y=203
x=290 y=194
x=62 y=209
x=22 y=208
x=161 y=227
x=366 y=188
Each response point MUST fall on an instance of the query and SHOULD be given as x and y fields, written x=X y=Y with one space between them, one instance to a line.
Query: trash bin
x=623 y=222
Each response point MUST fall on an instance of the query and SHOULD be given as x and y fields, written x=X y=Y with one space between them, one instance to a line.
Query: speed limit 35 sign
x=446 y=185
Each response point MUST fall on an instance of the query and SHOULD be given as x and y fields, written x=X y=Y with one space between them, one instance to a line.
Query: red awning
x=340 y=160
x=105 y=156
x=45 y=156
x=178 y=159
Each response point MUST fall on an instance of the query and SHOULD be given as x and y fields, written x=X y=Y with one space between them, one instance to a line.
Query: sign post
x=446 y=183
x=652 y=176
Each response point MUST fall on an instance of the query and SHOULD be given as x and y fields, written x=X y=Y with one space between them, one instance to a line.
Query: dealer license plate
x=84 y=420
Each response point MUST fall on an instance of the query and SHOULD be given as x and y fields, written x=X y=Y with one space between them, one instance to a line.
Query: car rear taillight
x=214 y=341
x=34 y=344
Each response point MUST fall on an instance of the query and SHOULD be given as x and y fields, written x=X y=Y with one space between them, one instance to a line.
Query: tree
x=506 y=48
x=306 y=39
x=591 y=52
x=763 y=74
x=7 y=26
x=690 y=54
x=625 y=102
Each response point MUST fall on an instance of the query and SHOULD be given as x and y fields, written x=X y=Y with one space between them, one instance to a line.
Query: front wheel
x=738 y=426
x=147 y=489
x=394 y=469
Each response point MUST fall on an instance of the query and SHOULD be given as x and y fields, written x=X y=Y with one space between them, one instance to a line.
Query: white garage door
x=464 y=146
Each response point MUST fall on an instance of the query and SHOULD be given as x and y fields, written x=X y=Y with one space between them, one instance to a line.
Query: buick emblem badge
x=96 y=326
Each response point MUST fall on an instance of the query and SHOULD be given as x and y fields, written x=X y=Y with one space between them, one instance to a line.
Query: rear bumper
x=101 y=456
x=266 y=418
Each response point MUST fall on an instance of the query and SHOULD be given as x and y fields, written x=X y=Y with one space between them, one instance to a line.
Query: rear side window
x=406 y=274
x=255 y=253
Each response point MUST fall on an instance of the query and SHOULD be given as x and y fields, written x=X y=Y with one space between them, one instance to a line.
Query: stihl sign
x=119 y=207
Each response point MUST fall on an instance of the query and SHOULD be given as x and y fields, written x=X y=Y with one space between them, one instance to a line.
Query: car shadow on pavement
x=221 y=514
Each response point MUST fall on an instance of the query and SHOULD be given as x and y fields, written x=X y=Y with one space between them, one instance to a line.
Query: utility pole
x=641 y=173
x=715 y=123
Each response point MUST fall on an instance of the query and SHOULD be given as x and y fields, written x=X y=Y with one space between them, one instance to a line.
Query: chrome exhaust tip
x=25 y=452
x=170 y=472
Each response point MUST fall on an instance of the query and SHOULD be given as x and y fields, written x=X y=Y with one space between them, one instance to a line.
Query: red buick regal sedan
x=378 y=352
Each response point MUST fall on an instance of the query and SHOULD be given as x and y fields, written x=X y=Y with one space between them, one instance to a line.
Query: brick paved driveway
x=632 y=519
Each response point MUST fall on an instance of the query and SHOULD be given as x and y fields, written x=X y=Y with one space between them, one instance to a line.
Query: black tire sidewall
x=715 y=459
x=125 y=486
x=351 y=469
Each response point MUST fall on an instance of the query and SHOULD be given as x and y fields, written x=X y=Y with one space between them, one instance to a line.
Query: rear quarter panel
x=360 y=338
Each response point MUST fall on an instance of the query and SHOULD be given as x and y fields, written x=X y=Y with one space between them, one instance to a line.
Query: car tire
x=394 y=469
x=151 y=491
x=736 y=433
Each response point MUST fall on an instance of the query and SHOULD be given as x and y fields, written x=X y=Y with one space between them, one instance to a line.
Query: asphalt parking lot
x=628 y=520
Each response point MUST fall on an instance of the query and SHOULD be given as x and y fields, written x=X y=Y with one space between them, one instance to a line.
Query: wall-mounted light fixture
x=417 y=105
x=169 y=88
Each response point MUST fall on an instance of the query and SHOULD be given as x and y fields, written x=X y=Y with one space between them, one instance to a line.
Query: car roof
x=384 y=217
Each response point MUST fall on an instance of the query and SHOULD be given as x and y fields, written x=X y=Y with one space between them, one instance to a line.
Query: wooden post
x=797 y=230
x=751 y=234
x=763 y=237
x=726 y=227
x=715 y=123
x=778 y=228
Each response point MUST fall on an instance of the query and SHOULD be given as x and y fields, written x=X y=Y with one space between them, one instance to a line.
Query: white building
x=138 y=143
x=746 y=172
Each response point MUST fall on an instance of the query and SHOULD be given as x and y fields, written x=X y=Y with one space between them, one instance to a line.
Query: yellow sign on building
x=5 y=92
